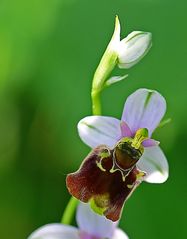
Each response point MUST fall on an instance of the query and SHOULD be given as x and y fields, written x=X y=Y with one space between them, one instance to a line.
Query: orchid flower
x=90 y=226
x=123 y=155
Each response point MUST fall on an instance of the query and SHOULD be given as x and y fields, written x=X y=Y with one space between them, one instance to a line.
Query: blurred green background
x=49 y=50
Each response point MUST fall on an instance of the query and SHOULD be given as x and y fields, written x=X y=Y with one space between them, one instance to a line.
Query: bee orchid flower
x=123 y=154
x=90 y=226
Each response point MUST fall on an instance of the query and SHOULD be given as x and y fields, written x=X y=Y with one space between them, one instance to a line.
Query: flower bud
x=133 y=48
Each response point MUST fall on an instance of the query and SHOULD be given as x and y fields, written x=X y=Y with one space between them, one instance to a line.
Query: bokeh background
x=49 y=50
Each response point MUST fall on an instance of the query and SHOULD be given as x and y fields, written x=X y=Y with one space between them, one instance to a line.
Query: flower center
x=129 y=150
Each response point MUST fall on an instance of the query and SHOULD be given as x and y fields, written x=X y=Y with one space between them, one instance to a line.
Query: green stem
x=96 y=103
x=69 y=211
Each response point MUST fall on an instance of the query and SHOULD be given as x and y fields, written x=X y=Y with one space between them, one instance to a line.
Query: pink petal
x=150 y=143
x=125 y=130
x=144 y=109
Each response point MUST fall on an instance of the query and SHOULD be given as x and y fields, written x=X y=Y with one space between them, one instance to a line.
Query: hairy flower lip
x=107 y=188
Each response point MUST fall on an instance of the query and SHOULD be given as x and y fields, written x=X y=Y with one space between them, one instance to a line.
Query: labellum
x=107 y=177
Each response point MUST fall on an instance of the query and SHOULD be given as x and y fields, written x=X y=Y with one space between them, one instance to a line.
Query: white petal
x=133 y=48
x=97 y=130
x=119 y=234
x=154 y=163
x=55 y=231
x=144 y=109
x=93 y=223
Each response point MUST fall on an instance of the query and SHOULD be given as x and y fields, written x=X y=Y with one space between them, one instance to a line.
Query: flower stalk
x=69 y=211
x=96 y=103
